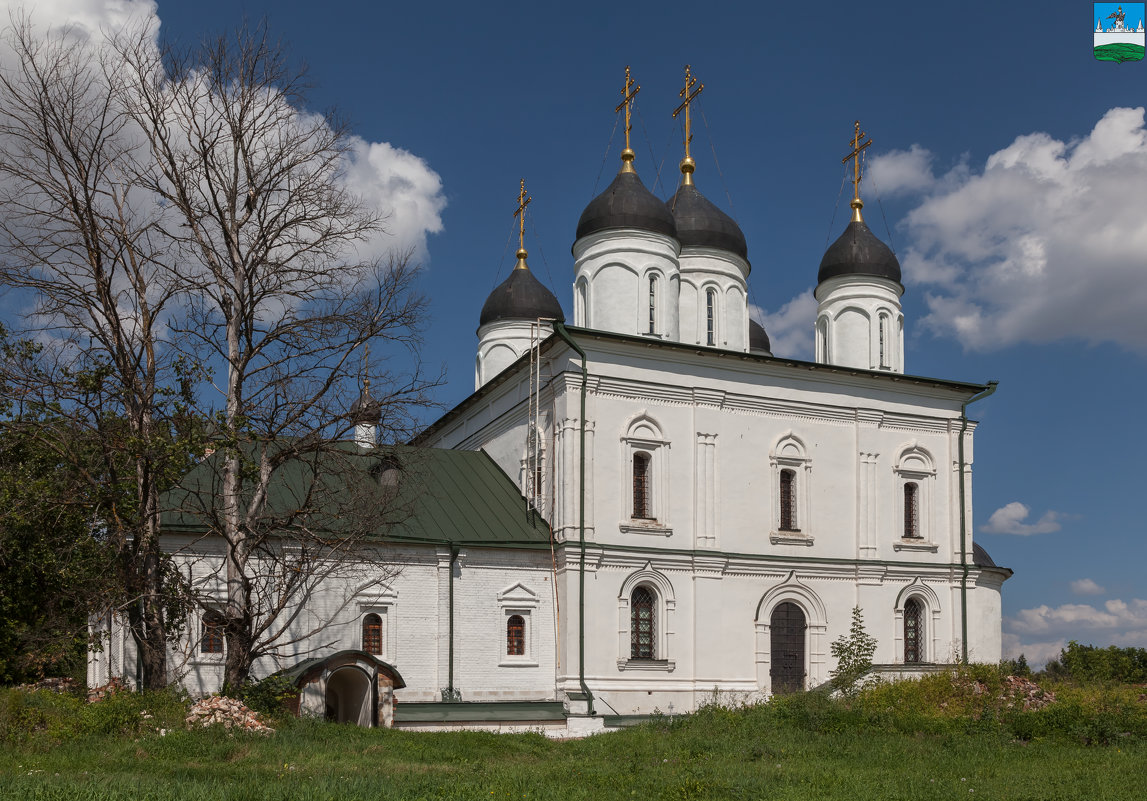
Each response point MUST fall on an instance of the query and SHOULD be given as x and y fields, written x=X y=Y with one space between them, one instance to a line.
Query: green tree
x=853 y=653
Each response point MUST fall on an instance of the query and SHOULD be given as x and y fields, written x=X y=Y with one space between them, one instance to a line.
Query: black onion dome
x=980 y=557
x=520 y=297
x=758 y=339
x=858 y=252
x=366 y=409
x=626 y=203
x=701 y=224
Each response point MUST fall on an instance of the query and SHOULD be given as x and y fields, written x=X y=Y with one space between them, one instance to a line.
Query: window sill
x=915 y=544
x=517 y=663
x=208 y=659
x=790 y=538
x=639 y=526
x=658 y=665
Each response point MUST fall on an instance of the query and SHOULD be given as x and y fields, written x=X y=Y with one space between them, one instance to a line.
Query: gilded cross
x=857 y=147
x=690 y=81
x=627 y=98
x=520 y=213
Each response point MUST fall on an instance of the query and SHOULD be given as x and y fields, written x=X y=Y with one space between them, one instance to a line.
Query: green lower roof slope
x=398 y=493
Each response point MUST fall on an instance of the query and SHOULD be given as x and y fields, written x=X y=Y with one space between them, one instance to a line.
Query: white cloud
x=397 y=184
x=901 y=171
x=790 y=328
x=402 y=188
x=1086 y=586
x=1041 y=632
x=1044 y=243
x=1010 y=519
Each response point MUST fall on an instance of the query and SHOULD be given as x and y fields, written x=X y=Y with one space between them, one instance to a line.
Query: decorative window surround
x=929 y=640
x=643 y=435
x=914 y=465
x=789 y=453
x=517 y=599
x=380 y=601
x=664 y=606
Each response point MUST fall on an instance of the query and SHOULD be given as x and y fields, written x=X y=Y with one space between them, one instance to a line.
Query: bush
x=271 y=696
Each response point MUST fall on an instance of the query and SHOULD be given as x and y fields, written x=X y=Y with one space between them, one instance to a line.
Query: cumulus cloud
x=790 y=328
x=901 y=171
x=397 y=184
x=1041 y=632
x=404 y=190
x=1010 y=519
x=1044 y=242
x=1086 y=586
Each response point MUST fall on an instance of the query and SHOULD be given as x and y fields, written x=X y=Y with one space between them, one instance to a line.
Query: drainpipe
x=450 y=691
x=964 y=518
x=561 y=331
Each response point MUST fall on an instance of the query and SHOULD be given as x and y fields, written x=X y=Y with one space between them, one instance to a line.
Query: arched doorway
x=349 y=698
x=787 y=648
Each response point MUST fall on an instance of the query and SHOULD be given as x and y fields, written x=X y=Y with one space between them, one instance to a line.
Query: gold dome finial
x=520 y=213
x=687 y=163
x=857 y=146
x=627 y=155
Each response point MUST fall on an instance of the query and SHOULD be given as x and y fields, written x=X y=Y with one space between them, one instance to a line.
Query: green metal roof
x=441 y=497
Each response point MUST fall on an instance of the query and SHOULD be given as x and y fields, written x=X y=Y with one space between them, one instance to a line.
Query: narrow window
x=372 y=634
x=515 y=636
x=912 y=632
x=911 y=510
x=641 y=508
x=883 y=334
x=788 y=501
x=711 y=317
x=211 y=639
x=653 y=304
x=641 y=624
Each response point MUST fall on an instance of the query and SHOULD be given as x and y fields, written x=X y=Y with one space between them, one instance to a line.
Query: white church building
x=706 y=515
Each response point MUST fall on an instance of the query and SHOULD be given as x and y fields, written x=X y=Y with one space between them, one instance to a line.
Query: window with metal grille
x=515 y=636
x=211 y=638
x=642 y=624
x=711 y=317
x=372 y=634
x=653 y=304
x=641 y=506
x=911 y=510
x=911 y=632
x=788 y=500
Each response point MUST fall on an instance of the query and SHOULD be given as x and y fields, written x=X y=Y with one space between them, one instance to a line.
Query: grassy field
x=923 y=742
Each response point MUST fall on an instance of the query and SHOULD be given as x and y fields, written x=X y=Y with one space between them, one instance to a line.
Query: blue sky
x=1010 y=165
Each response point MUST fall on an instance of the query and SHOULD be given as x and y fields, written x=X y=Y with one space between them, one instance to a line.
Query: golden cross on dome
x=857 y=147
x=690 y=81
x=520 y=213
x=627 y=98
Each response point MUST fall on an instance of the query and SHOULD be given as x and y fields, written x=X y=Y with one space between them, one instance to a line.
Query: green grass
x=922 y=740
x=1120 y=51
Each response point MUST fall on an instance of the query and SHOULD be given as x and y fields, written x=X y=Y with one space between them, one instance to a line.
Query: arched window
x=711 y=317
x=653 y=304
x=211 y=636
x=372 y=634
x=515 y=635
x=911 y=510
x=788 y=496
x=912 y=634
x=641 y=505
x=642 y=624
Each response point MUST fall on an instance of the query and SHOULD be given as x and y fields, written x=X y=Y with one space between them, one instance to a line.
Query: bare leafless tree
x=180 y=215
x=279 y=300
x=83 y=250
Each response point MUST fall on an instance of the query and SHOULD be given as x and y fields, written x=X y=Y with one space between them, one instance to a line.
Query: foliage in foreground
x=938 y=738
